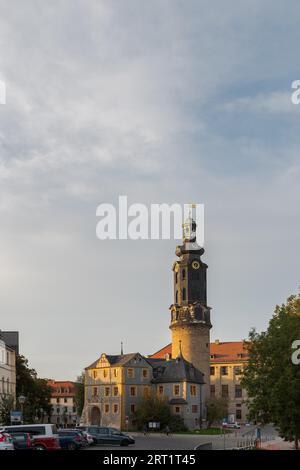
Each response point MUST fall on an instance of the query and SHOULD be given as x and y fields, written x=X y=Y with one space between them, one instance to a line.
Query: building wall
x=194 y=342
x=133 y=382
x=7 y=370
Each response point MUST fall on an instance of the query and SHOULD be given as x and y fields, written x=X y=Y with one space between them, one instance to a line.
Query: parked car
x=108 y=436
x=22 y=441
x=70 y=439
x=44 y=436
x=231 y=425
x=6 y=442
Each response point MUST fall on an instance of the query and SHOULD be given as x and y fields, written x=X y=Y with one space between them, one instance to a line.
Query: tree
x=79 y=394
x=217 y=410
x=6 y=406
x=36 y=391
x=153 y=408
x=271 y=377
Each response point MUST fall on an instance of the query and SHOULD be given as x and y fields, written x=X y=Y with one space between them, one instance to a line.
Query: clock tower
x=190 y=315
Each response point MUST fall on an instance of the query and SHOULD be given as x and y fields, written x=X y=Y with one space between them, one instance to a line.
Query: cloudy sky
x=162 y=101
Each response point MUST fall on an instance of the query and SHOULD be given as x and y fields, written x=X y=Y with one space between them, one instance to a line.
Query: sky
x=165 y=102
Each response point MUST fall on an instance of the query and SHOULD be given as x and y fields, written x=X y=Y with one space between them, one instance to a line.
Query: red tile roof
x=58 y=388
x=228 y=351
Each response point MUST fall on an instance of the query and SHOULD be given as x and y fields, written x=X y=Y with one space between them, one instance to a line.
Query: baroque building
x=115 y=384
x=8 y=351
x=227 y=361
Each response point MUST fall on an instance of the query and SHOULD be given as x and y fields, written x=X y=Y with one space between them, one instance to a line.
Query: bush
x=176 y=424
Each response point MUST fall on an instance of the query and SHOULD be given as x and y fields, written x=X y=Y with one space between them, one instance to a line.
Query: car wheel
x=71 y=446
x=39 y=447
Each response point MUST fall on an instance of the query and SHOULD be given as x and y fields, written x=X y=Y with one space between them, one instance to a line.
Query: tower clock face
x=195 y=265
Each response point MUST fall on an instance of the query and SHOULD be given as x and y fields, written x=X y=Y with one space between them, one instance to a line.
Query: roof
x=177 y=401
x=115 y=360
x=175 y=370
x=61 y=385
x=227 y=351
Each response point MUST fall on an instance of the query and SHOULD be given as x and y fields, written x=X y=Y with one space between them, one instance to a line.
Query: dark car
x=70 y=439
x=22 y=441
x=108 y=436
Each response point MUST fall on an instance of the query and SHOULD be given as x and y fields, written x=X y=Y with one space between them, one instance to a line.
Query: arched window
x=176 y=297
x=184 y=293
x=176 y=277
x=183 y=274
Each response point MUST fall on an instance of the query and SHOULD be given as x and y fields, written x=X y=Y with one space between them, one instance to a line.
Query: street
x=160 y=441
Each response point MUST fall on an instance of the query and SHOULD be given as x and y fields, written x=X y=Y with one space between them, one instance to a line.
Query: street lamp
x=22 y=400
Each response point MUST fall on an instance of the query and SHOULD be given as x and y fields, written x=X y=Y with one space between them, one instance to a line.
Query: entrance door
x=95 y=416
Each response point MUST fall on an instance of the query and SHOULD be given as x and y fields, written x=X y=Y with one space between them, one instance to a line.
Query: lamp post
x=22 y=400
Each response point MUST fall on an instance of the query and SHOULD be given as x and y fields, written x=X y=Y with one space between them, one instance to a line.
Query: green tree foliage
x=79 y=394
x=6 y=406
x=153 y=408
x=217 y=410
x=271 y=378
x=36 y=391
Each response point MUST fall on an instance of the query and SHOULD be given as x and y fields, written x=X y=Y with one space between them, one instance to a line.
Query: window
x=183 y=274
x=176 y=390
x=94 y=374
x=212 y=371
x=224 y=370
x=132 y=391
x=95 y=391
x=107 y=391
x=212 y=391
x=130 y=373
x=237 y=370
x=116 y=391
x=161 y=390
x=115 y=408
x=115 y=372
x=65 y=400
x=146 y=391
x=106 y=408
x=193 y=389
x=57 y=399
x=145 y=373
x=184 y=293
x=132 y=408
x=177 y=297
x=177 y=409
x=194 y=408
x=105 y=373
x=176 y=277
x=238 y=392
x=238 y=414
x=225 y=391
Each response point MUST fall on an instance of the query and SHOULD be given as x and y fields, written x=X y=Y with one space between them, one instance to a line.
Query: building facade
x=190 y=315
x=227 y=361
x=63 y=401
x=7 y=370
